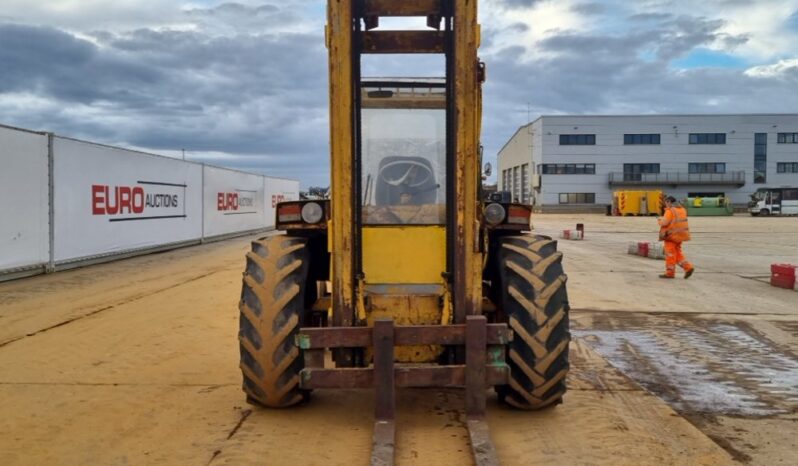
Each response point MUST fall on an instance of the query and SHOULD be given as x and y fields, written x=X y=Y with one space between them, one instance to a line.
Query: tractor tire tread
x=535 y=302
x=271 y=310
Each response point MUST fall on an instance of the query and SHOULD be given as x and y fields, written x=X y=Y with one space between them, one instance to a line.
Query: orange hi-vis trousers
x=674 y=257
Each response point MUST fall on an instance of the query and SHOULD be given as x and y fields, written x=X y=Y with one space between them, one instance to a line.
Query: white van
x=774 y=201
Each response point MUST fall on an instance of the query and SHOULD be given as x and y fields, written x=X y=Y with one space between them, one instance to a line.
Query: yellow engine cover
x=403 y=268
x=404 y=254
x=408 y=310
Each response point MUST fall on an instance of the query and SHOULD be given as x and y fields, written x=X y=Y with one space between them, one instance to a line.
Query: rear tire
x=534 y=302
x=272 y=309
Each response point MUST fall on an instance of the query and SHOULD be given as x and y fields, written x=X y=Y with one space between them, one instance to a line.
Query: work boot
x=688 y=273
x=666 y=275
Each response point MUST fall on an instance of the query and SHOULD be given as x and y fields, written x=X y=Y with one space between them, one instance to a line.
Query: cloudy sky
x=244 y=84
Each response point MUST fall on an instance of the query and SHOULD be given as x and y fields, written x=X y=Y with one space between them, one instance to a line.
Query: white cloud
x=763 y=22
x=243 y=83
x=212 y=17
x=527 y=26
x=87 y=15
x=775 y=70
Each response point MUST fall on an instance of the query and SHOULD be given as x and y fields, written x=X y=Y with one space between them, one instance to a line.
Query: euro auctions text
x=145 y=197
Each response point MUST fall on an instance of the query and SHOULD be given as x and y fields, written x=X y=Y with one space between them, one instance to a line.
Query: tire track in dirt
x=244 y=415
x=695 y=358
x=630 y=312
x=721 y=372
x=110 y=307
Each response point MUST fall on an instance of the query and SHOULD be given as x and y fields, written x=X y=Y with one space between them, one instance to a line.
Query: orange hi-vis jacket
x=673 y=225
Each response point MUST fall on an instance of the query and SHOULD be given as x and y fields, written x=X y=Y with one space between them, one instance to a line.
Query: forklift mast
x=454 y=33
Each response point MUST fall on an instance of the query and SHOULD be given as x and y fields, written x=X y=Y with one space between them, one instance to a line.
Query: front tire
x=534 y=302
x=272 y=310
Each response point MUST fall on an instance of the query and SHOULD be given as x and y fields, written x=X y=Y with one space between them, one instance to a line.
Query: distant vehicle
x=500 y=196
x=774 y=201
x=315 y=192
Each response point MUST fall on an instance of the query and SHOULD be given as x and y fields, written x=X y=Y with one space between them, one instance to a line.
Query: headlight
x=494 y=214
x=312 y=212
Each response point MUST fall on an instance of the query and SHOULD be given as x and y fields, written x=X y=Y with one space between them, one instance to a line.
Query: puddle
x=717 y=369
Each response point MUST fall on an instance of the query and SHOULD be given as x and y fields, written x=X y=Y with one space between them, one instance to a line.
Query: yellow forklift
x=405 y=277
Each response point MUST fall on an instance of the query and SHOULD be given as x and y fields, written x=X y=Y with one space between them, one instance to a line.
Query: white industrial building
x=570 y=162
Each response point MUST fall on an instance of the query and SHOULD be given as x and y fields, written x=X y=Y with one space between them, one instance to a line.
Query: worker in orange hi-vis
x=673 y=230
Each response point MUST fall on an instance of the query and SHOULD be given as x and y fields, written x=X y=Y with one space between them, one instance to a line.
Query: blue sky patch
x=705 y=58
x=792 y=21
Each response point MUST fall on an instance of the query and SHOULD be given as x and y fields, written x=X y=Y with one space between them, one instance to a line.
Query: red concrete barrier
x=571 y=234
x=782 y=275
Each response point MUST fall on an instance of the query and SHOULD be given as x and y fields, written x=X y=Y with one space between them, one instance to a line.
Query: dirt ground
x=720 y=348
x=136 y=362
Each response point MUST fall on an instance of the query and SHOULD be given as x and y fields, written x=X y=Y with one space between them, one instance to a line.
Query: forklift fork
x=484 y=366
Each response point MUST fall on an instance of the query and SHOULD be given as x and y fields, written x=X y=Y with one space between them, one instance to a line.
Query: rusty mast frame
x=348 y=35
x=459 y=41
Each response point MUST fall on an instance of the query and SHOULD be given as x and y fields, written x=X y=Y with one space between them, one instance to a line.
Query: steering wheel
x=415 y=175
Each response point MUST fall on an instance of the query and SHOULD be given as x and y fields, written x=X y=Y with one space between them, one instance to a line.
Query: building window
x=516 y=185
x=506 y=180
x=525 y=183
x=787 y=167
x=760 y=157
x=707 y=168
x=635 y=171
x=707 y=138
x=633 y=139
x=568 y=169
x=577 y=139
x=787 y=138
x=641 y=168
x=577 y=198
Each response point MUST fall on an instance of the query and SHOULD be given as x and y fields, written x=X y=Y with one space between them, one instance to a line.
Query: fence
x=65 y=202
